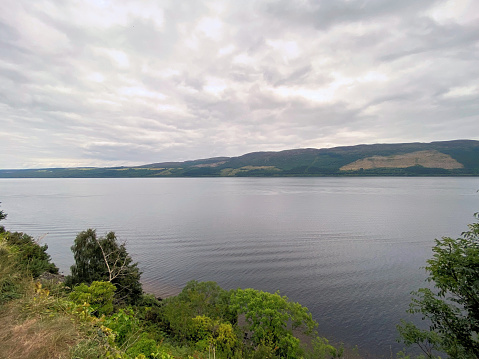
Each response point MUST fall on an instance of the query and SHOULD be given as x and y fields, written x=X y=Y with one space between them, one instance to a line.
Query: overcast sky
x=106 y=83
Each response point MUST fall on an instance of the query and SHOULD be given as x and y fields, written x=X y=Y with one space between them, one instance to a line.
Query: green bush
x=124 y=325
x=99 y=295
x=11 y=280
x=144 y=345
x=29 y=254
x=272 y=319
x=207 y=298
x=196 y=299
x=205 y=315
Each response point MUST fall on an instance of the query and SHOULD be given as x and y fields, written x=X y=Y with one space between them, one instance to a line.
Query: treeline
x=296 y=162
x=300 y=171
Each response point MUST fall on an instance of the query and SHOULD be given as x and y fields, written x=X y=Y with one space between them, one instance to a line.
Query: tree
x=207 y=298
x=197 y=299
x=30 y=255
x=3 y=215
x=103 y=259
x=271 y=320
x=452 y=307
x=212 y=318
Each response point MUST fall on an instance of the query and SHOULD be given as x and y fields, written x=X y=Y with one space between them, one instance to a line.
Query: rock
x=55 y=278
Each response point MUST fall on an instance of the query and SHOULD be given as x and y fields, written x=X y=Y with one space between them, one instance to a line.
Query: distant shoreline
x=444 y=158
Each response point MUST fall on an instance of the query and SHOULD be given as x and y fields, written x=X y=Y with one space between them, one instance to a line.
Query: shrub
x=124 y=325
x=99 y=295
x=272 y=318
x=29 y=254
x=143 y=345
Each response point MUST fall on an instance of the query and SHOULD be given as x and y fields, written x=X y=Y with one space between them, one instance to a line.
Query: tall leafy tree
x=273 y=320
x=104 y=259
x=451 y=308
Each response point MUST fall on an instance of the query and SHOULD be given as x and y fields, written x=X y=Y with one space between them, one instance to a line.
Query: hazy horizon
x=206 y=158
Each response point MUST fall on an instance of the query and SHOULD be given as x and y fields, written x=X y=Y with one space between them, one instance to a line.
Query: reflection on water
x=350 y=249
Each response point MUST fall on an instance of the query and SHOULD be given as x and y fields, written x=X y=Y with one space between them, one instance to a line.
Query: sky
x=110 y=83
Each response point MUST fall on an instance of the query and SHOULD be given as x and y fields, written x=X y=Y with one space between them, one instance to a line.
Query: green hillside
x=447 y=158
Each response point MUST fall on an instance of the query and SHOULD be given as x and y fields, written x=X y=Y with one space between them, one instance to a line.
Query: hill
x=446 y=158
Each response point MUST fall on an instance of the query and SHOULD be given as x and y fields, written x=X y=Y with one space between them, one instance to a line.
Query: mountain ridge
x=439 y=158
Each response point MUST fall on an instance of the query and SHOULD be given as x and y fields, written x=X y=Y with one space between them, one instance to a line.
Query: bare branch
x=114 y=270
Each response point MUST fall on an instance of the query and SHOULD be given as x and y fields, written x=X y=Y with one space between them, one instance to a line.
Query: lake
x=349 y=249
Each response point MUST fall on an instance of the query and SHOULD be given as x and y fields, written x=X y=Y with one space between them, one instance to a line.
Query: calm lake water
x=350 y=249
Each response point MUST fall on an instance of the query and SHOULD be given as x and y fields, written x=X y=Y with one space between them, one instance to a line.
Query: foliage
x=426 y=340
x=452 y=308
x=206 y=298
x=215 y=333
x=103 y=259
x=12 y=268
x=272 y=318
x=323 y=349
x=176 y=320
x=143 y=346
x=196 y=299
x=11 y=279
x=3 y=215
x=123 y=325
x=201 y=322
x=35 y=324
x=29 y=255
x=206 y=315
x=99 y=295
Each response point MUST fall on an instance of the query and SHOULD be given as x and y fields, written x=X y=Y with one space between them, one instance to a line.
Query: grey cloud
x=109 y=151
x=296 y=76
x=426 y=35
x=168 y=85
x=324 y=14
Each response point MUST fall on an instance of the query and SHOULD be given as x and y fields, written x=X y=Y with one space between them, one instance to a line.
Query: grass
x=34 y=336
x=39 y=325
x=35 y=324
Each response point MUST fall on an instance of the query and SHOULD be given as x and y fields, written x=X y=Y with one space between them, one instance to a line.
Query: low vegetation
x=93 y=314
x=99 y=311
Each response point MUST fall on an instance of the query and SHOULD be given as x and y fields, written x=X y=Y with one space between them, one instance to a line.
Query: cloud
x=103 y=83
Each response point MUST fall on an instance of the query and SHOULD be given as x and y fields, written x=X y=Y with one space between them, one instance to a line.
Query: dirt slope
x=429 y=159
